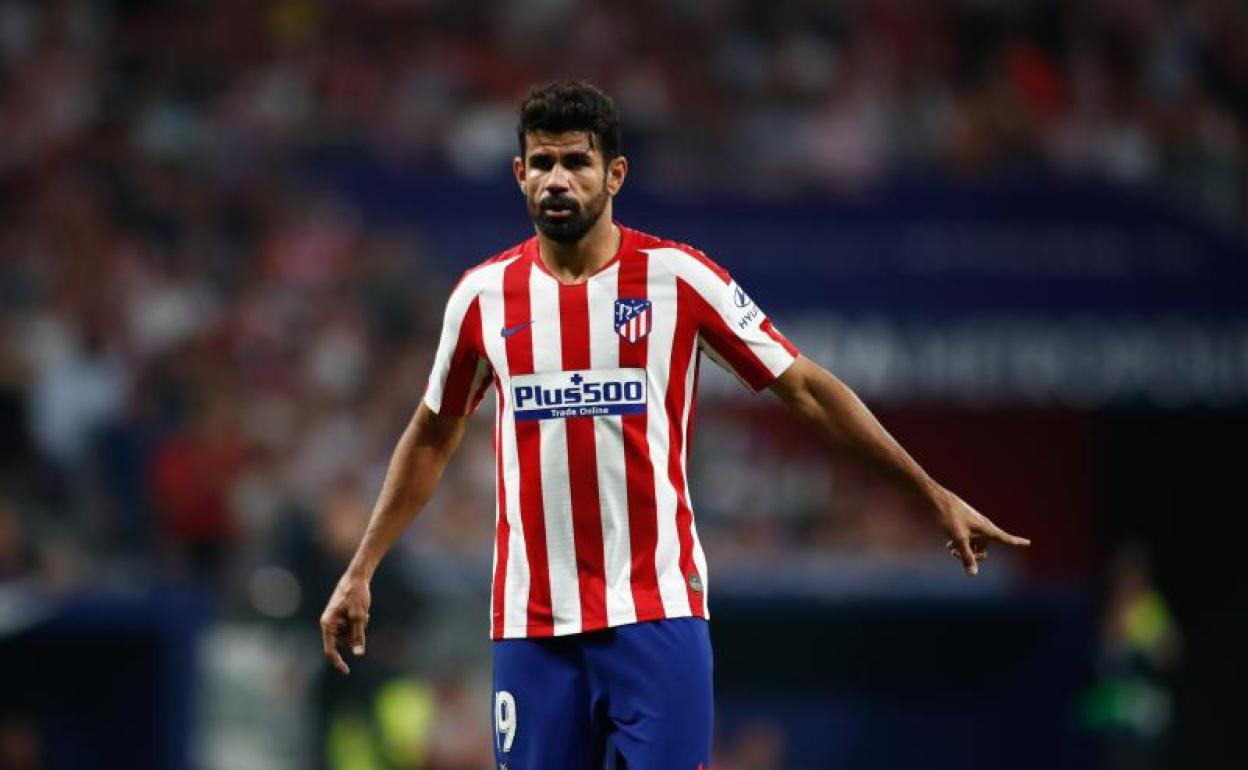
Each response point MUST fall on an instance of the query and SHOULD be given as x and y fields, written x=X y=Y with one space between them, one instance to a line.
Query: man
x=591 y=335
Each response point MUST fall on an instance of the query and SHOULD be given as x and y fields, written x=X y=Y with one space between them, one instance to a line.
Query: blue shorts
x=636 y=696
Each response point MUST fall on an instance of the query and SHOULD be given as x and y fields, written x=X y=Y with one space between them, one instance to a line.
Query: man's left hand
x=970 y=531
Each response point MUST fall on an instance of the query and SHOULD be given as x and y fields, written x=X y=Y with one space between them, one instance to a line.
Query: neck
x=575 y=262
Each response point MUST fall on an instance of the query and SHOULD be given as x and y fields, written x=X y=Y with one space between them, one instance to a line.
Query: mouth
x=558 y=210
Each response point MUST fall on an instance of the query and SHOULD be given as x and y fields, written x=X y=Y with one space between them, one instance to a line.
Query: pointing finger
x=996 y=533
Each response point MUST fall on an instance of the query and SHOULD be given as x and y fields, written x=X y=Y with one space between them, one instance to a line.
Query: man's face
x=566 y=184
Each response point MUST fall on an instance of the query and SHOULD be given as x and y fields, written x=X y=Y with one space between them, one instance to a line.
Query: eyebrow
x=584 y=156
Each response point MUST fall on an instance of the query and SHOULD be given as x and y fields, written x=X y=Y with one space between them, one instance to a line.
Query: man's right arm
x=415 y=468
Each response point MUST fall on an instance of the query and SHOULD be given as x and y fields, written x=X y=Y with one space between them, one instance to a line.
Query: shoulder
x=473 y=280
x=688 y=265
x=682 y=260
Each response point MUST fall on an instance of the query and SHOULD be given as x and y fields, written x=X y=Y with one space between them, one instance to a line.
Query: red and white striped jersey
x=595 y=384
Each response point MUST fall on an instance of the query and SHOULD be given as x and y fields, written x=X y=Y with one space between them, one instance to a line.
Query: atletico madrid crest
x=632 y=318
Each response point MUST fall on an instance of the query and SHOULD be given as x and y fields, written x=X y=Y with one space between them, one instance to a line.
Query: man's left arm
x=826 y=404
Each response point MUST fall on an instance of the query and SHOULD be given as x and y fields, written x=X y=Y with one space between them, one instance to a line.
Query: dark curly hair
x=571 y=105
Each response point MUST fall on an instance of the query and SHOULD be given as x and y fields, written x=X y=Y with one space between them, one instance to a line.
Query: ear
x=617 y=169
x=517 y=168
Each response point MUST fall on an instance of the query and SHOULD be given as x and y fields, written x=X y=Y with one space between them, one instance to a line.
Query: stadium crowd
x=822 y=94
x=200 y=351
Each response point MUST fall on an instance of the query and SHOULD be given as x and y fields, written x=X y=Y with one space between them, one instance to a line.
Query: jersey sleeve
x=461 y=371
x=733 y=329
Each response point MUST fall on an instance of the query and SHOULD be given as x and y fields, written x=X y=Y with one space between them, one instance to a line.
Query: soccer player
x=591 y=334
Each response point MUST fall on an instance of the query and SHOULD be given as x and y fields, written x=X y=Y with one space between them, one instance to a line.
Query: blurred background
x=1017 y=228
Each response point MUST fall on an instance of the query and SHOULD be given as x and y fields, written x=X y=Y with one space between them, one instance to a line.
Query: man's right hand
x=344 y=620
x=415 y=467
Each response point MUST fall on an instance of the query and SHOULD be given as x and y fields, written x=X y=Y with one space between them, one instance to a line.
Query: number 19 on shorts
x=504 y=720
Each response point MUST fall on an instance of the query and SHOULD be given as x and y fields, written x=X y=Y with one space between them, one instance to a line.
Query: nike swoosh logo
x=507 y=331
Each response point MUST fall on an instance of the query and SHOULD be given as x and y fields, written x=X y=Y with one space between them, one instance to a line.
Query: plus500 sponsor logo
x=588 y=393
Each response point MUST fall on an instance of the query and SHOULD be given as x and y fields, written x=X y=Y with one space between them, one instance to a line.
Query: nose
x=557 y=180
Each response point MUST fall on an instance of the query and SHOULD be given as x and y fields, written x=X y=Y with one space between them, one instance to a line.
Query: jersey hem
x=522 y=632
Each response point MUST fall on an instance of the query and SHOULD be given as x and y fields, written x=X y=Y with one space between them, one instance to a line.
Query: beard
x=574 y=226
